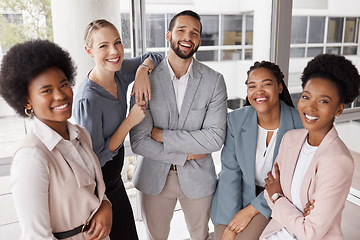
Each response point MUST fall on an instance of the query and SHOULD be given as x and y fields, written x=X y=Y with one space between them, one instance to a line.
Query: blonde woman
x=101 y=106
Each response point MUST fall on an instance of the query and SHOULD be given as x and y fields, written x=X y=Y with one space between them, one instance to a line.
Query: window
x=312 y=35
x=224 y=37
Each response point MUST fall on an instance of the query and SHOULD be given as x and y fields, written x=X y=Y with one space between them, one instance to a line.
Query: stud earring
x=29 y=112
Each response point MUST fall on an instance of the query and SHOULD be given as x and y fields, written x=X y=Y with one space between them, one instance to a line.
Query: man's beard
x=177 y=51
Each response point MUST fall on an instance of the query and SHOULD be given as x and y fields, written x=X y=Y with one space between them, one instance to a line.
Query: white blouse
x=30 y=178
x=306 y=155
x=264 y=155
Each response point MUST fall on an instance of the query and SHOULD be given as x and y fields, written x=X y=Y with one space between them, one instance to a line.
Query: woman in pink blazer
x=313 y=163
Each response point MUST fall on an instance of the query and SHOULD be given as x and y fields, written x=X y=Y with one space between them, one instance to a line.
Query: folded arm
x=144 y=145
x=333 y=183
x=211 y=136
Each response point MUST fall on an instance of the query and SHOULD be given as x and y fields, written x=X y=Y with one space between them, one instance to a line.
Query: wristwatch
x=275 y=197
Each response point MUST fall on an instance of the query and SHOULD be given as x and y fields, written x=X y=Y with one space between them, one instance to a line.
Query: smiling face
x=185 y=37
x=107 y=49
x=318 y=105
x=263 y=91
x=50 y=96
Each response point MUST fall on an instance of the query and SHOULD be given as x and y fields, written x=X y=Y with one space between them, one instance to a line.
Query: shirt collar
x=189 y=71
x=49 y=137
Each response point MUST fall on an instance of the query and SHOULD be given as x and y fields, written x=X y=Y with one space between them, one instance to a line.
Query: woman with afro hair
x=313 y=164
x=254 y=132
x=56 y=179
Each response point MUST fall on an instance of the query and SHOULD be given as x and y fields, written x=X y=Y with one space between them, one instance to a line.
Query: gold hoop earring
x=29 y=112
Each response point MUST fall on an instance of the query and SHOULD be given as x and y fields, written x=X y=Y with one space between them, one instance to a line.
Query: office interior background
x=235 y=34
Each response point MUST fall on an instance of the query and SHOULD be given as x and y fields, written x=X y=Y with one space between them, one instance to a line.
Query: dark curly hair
x=23 y=62
x=337 y=69
x=275 y=69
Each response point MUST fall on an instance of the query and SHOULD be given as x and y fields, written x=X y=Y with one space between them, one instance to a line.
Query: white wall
x=70 y=18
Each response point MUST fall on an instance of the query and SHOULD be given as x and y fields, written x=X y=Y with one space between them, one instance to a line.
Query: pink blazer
x=327 y=180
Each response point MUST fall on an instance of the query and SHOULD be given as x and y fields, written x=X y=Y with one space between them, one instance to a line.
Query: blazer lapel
x=249 y=139
x=168 y=89
x=100 y=188
x=82 y=177
x=292 y=154
x=330 y=136
x=191 y=89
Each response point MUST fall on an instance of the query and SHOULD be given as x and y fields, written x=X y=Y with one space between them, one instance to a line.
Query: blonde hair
x=93 y=26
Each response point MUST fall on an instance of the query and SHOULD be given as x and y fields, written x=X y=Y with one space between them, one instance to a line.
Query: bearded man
x=185 y=122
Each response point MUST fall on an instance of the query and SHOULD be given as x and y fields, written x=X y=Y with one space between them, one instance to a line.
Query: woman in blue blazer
x=254 y=132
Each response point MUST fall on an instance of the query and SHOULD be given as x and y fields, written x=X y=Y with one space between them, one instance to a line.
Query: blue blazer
x=236 y=185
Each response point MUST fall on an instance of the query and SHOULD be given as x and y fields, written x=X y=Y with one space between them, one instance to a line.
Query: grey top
x=100 y=112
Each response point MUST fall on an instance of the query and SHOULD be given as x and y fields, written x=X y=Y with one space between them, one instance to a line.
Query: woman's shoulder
x=241 y=114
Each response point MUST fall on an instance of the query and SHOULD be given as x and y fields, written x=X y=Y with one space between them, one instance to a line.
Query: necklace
x=112 y=91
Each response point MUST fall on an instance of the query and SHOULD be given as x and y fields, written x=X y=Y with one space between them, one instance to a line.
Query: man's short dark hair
x=185 y=13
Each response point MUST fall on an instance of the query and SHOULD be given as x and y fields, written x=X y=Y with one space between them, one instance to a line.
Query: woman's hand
x=136 y=114
x=242 y=219
x=142 y=89
x=229 y=235
x=101 y=222
x=273 y=184
x=309 y=207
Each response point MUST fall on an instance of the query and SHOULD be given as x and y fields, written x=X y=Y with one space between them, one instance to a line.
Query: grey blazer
x=236 y=185
x=199 y=128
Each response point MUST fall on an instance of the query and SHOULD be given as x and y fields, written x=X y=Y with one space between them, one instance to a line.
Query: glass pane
x=335 y=30
x=125 y=30
x=316 y=29
x=13 y=18
x=350 y=51
x=249 y=30
x=333 y=50
x=350 y=29
x=127 y=55
x=248 y=54
x=232 y=29
x=297 y=52
x=210 y=32
x=298 y=29
x=357 y=101
x=314 y=51
x=207 y=55
x=230 y=55
x=155 y=30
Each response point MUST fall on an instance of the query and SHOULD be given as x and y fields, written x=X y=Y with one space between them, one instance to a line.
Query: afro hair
x=337 y=69
x=23 y=62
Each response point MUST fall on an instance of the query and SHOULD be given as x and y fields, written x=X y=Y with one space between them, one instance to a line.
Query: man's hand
x=157 y=134
x=195 y=156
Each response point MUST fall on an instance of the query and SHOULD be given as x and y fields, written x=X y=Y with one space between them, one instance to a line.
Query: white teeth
x=185 y=45
x=113 y=60
x=311 y=117
x=260 y=99
x=61 y=107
